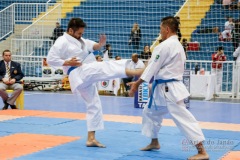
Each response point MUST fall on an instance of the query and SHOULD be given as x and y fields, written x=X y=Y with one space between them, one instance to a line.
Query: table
x=109 y=85
x=202 y=86
x=43 y=83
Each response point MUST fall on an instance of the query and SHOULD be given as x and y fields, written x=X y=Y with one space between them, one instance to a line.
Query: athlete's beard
x=78 y=38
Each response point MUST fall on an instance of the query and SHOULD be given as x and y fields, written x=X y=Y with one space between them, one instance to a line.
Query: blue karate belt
x=71 y=69
x=154 y=84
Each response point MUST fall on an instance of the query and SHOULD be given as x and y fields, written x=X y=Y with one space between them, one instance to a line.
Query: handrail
x=47 y=4
x=159 y=37
x=10 y=22
x=46 y=14
x=203 y=61
x=181 y=7
x=7 y=7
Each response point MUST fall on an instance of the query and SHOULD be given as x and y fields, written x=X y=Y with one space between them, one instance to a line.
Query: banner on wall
x=106 y=85
x=141 y=96
x=109 y=85
x=186 y=81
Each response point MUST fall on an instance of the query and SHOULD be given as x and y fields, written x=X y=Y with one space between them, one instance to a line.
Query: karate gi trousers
x=83 y=81
x=164 y=102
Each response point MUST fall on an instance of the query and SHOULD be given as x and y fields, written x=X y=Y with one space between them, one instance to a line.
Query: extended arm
x=101 y=43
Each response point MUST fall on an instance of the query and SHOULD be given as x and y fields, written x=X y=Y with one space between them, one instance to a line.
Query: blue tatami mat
x=123 y=141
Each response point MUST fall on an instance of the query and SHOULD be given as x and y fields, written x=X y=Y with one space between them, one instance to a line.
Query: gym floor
x=52 y=126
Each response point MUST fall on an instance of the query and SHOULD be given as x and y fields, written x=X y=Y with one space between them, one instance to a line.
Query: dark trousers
x=136 y=43
x=125 y=81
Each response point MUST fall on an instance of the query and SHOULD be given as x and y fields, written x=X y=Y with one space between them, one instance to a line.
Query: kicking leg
x=134 y=72
x=87 y=74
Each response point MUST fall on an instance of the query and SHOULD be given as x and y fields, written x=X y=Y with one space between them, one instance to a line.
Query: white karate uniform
x=89 y=73
x=83 y=78
x=236 y=74
x=236 y=53
x=167 y=62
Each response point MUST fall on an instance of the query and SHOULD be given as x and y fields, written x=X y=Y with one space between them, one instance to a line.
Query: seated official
x=10 y=76
x=135 y=63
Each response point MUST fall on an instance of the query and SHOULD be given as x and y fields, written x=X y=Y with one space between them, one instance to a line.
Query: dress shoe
x=13 y=106
x=126 y=94
x=5 y=106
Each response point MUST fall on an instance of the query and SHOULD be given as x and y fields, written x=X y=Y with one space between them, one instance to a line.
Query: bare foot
x=95 y=143
x=151 y=147
x=199 y=157
x=134 y=72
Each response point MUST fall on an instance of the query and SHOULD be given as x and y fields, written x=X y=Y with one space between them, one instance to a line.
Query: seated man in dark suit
x=10 y=75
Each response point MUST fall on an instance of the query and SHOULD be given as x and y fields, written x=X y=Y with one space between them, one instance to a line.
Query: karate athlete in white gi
x=168 y=91
x=72 y=50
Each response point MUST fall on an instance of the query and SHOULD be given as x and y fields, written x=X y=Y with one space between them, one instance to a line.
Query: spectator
x=185 y=45
x=215 y=30
x=107 y=52
x=179 y=31
x=57 y=32
x=217 y=58
x=118 y=58
x=10 y=75
x=236 y=34
x=225 y=36
x=99 y=58
x=234 y=4
x=135 y=36
x=229 y=25
x=146 y=53
x=227 y=4
x=135 y=63
x=44 y=63
x=208 y=30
